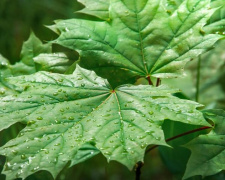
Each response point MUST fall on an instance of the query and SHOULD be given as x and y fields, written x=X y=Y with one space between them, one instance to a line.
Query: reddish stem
x=158 y=82
x=149 y=80
x=180 y=135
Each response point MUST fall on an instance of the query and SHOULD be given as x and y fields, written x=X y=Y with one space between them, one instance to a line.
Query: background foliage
x=19 y=17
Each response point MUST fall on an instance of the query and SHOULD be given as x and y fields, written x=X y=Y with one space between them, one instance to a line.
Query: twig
x=180 y=135
x=138 y=170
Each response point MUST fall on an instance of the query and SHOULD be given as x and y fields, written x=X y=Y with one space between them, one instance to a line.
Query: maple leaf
x=141 y=38
x=64 y=113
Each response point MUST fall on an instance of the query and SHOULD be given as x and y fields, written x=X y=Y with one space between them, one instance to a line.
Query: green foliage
x=208 y=153
x=64 y=112
x=160 y=43
x=106 y=102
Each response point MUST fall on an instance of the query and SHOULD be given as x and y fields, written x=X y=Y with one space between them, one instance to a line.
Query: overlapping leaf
x=216 y=23
x=208 y=151
x=65 y=112
x=140 y=39
x=31 y=48
x=98 y=8
x=56 y=62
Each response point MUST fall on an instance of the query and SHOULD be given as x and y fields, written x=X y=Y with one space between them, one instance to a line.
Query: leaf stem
x=149 y=80
x=158 y=82
x=198 y=79
x=138 y=170
x=178 y=136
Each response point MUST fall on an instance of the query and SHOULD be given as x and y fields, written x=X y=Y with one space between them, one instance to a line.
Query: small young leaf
x=64 y=112
x=208 y=151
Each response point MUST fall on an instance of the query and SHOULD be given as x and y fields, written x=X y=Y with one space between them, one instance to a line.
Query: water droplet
x=23 y=156
x=29 y=123
x=150 y=132
x=35 y=169
x=2 y=92
x=39 y=118
x=71 y=118
x=14 y=152
x=55 y=94
x=21 y=134
x=107 y=153
x=151 y=112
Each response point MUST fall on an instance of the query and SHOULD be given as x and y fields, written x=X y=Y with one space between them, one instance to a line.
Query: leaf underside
x=141 y=38
x=64 y=113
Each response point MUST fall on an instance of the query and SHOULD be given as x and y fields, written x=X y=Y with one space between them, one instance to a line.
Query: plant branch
x=149 y=80
x=198 y=79
x=180 y=135
x=138 y=170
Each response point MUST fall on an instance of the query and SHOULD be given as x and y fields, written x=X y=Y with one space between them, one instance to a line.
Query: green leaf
x=31 y=48
x=98 y=8
x=177 y=157
x=216 y=23
x=141 y=39
x=64 y=112
x=3 y=61
x=212 y=85
x=208 y=151
x=4 y=72
x=56 y=62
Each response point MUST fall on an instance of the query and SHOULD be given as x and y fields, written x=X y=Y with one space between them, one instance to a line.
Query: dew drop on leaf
x=151 y=112
x=71 y=118
x=23 y=156
x=14 y=152
x=39 y=118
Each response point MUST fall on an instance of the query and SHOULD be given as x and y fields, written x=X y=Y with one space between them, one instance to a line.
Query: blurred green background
x=19 y=17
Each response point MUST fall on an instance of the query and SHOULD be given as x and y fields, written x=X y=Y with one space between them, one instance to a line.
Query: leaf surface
x=64 y=112
x=216 y=23
x=98 y=8
x=141 y=38
x=56 y=62
x=208 y=151
x=31 y=48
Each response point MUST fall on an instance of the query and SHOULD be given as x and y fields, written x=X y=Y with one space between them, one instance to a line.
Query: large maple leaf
x=65 y=113
x=140 y=38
